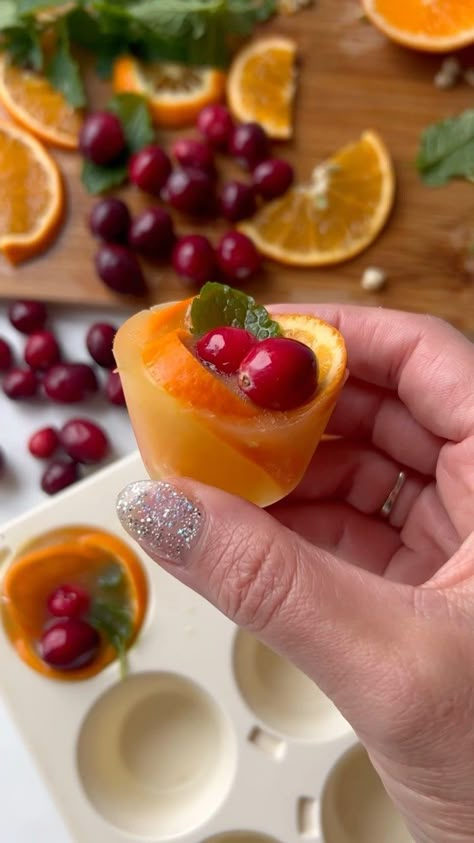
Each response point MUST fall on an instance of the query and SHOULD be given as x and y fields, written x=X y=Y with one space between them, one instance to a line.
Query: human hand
x=378 y=612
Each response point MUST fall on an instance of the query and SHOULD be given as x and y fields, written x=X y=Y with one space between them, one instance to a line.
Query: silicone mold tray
x=210 y=736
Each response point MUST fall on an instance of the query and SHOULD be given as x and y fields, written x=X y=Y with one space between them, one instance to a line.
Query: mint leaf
x=112 y=577
x=115 y=623
x=23 y=46
x=447 y=150
x=97 y=179
x=218 y=305
x=63 y=71
x=133 y=112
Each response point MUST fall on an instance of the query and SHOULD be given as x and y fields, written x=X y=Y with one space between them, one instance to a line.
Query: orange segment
x=261 y=85
x=334 y=217
x=436 y=25
x=32 y=101
x=32 y=194
x=176 y=93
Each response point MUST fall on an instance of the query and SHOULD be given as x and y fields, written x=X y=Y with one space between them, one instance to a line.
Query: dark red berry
x=20 y=383
x=84 y=441
x=194 y=259
x=216 y=124
x=69 y=644
x=27 y=316
x=58 y=475
x=237 y=256
x=43 y=443
x=152 y=233
x=6 y=355
x=119 y=269
x=114 y=390
x=249 y=144
x=193 y=153
x=110 y=220
x=42 y=350
x=225 y=348
x=99 y=342
x=68 y=601
x=101 y=138
x=149 y=168
x=272 y=178
x=279 y=374
x=68 y=383
x=237 y=201
x=190 y=192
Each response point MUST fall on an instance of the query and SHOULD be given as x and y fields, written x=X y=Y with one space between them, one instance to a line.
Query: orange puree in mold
x=189 y=421
x=75 y=555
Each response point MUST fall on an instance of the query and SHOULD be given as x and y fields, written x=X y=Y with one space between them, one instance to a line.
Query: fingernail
x=160 y=518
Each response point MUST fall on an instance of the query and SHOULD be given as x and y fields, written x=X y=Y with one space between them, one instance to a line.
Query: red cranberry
x=216 y=124
x=58 y=475
x=237 y=201
x=84 y=441
x=225 y=348
x=152 y=233
x=69 y=644
x=193 y=153
x=237 y=256
x=279 y=374
x=43 y=443
x=68 y=601
x=110 y=220
x=20 y=383
x=6 y=356
x=149 y=168
x=249 y=144
x=99 y=342
x=190 y=191
x=101 y=138
x=272 y=178
x=42 y=350
x=27 y=316
x=114 y=390
x=68 y=383
x=194 y=259
x=119 y=269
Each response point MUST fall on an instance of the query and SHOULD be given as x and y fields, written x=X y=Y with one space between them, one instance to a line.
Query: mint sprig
x=111 y=613
x=218 y=305
x=447 y=150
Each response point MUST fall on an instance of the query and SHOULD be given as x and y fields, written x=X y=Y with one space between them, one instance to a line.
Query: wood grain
x=351 y=78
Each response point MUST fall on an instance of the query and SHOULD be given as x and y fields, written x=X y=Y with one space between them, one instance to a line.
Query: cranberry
x=190 y=191
x=101 y=138
x=58 y=475
x=27 y=316
x=193 y=153
x=99 y=342
x=237 y=256
x=237 y=201
x=114 y=390
x=42 y=350
x=216 y=124
x=43 y=443
x=68 y=601
x=279 y=373
x=68 y=383
x=272 y=178
x=110 y=220
x=6 y=356
x=69 y=644
x=225 y=348
x=194 y=259
x=20 y=383
x=249 y=144
x=119 y=269
x=84 y=441
x=152 y=232
x=149 y=168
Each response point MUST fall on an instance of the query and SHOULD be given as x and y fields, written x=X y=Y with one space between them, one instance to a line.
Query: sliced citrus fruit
x=32 y=194
x=334 y=217
x=33 y=102
x=261 y=84
x=432 y=25
x=176 y=93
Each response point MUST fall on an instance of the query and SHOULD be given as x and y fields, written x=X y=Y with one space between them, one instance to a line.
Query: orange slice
x=33 y=102
x=32 y=194
x=334 y=217
x=176 y=93
x=432 y=25
x=261 y=85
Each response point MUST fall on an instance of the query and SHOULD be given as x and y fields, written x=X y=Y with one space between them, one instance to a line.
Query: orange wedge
x=32 y=194
x=334 y=217
x=33 y=102
x=176 y=93
x=435 y=26
x=261 y=85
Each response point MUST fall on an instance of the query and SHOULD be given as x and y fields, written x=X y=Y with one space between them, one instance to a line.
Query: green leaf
x=98 y=179
x=63 y=71
x=133 y=112
x=115 y=623
x=25 y=7
x=112 y=577
x=218 y=305
x=447 y=150
x=24 y=46
x=8 y=14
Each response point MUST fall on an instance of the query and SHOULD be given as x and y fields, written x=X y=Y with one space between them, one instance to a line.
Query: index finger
x=427 y=361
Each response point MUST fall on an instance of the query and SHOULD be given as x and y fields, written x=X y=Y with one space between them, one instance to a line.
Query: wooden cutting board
x=351 y=78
